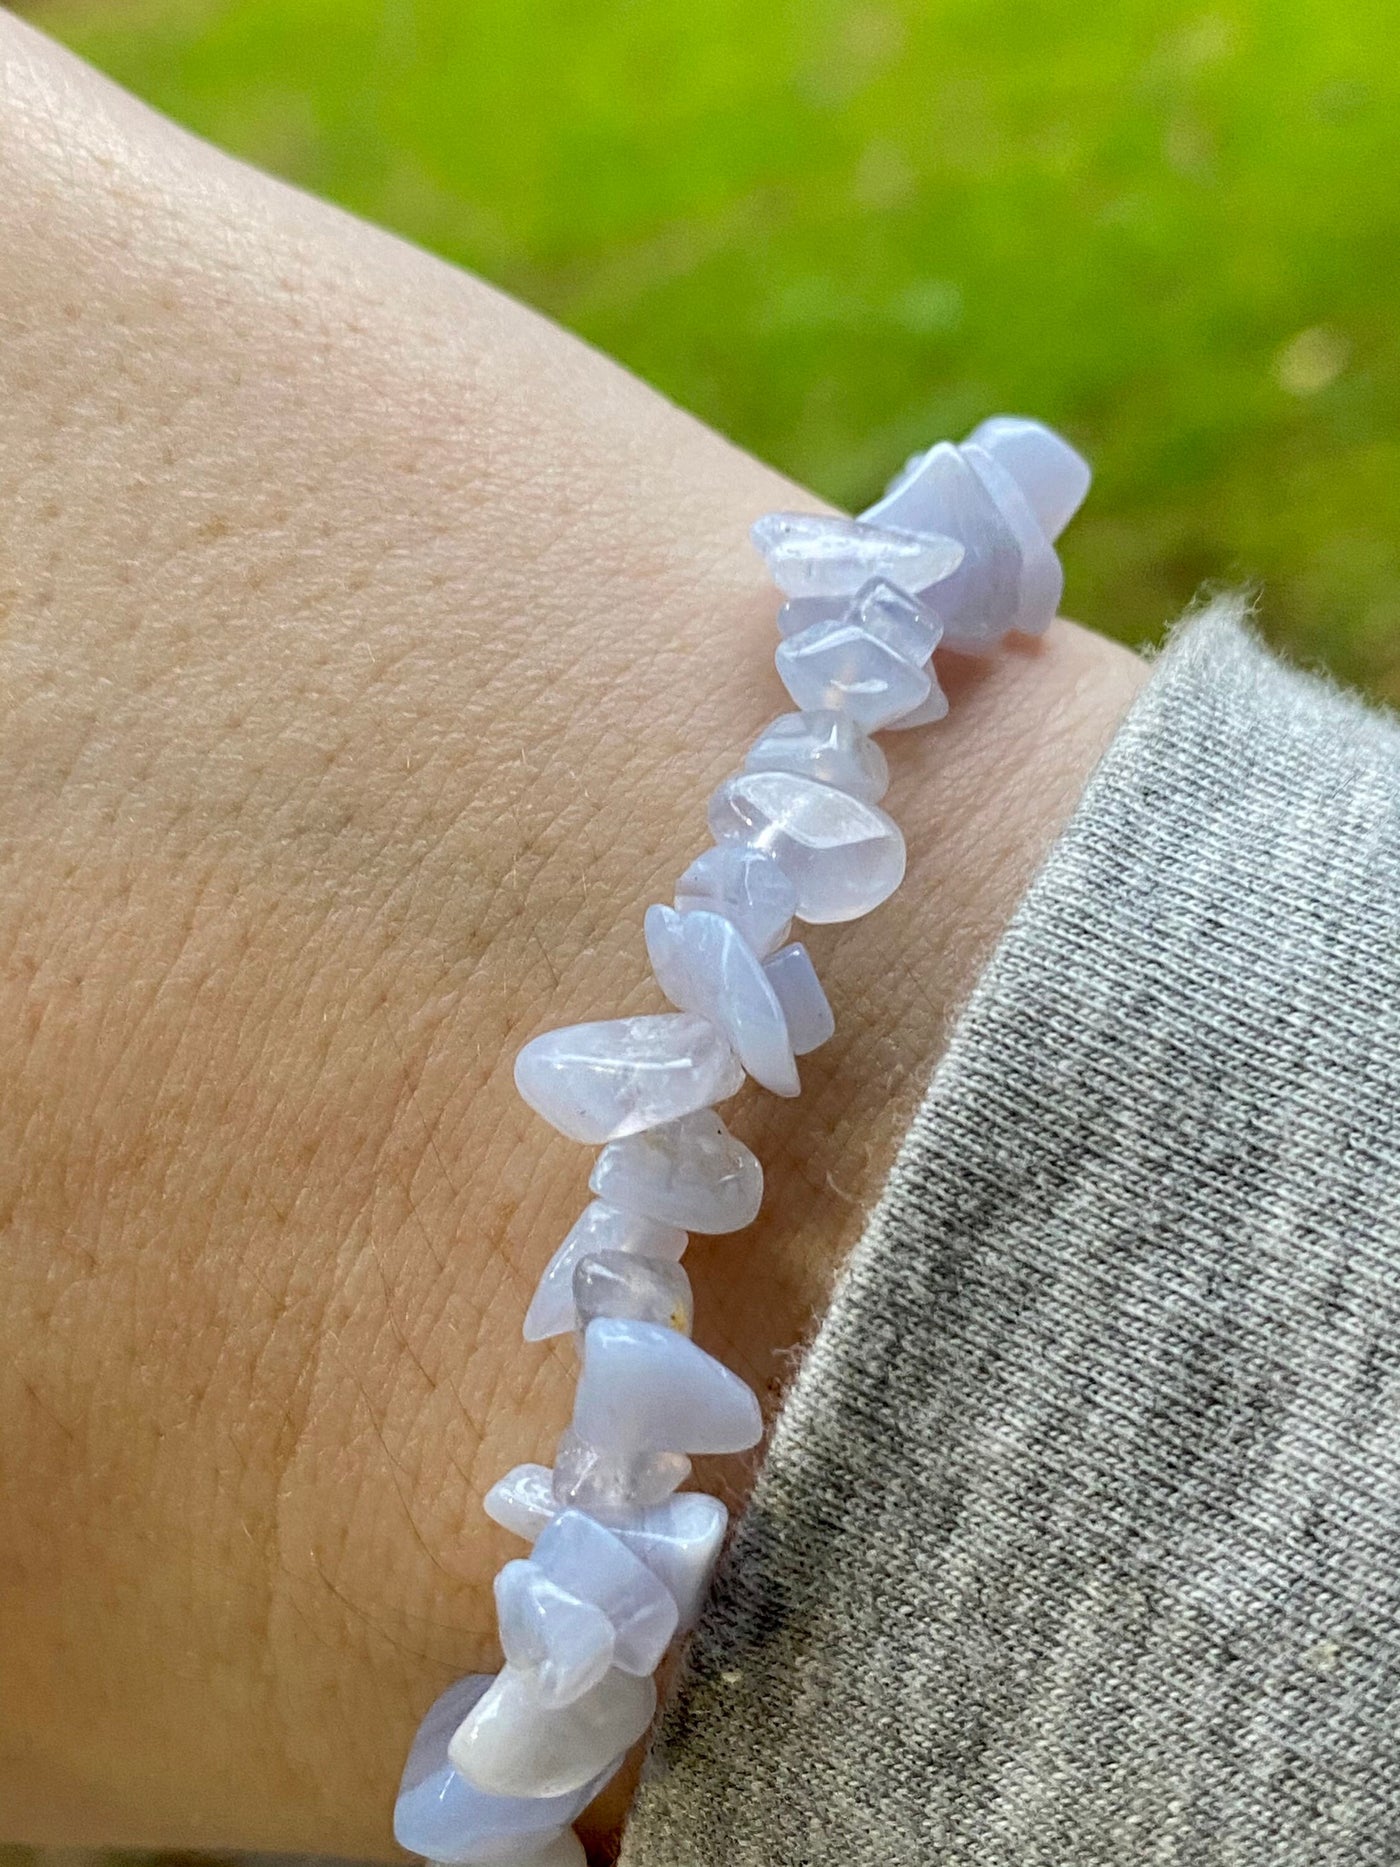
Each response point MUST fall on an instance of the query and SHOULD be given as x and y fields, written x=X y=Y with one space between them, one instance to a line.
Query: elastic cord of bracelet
x=958 y=552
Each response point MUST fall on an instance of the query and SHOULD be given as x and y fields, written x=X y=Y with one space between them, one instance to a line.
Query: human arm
x=369 y=650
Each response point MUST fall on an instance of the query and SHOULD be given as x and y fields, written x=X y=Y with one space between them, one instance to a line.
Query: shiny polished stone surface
x=811 y=554
x=614 y=1283
x=978 y=603
x=583 y=1557
x=826 y=746
x=809 y=1016
x=704 y=964
x=680 y=1541
x=510 y=1744
x=523 y=1501
x=897 y=619
x=442 y=1816
x=843 y=856
x=612 y=1484
x=645 y=1388
x=691 y=1173
x=598 y=1082
x=1050 y=473
x=745 y=886
x=842 y=667
x=562 y=1643
x=1042 y=575
x=600 y=1227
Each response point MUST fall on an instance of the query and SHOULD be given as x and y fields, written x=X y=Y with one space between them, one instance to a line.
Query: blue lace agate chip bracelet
x=959 y=551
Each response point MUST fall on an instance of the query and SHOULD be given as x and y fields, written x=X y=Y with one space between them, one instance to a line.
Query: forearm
x=370 y=648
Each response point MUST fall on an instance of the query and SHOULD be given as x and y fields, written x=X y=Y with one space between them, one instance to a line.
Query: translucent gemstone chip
x=583 y=1558
x=1042 y=576
x=442 y=1816
x=897 y=619
x=933 y=709
x=680 y=1541
x=843 y=667
x=691 y=1173
x=564 y=1644
x=794 y=978
x=810 y=554
x=523 y=1501
x=800 y=612
x=843 y=856
x=745 y=886
x=600 y=1227
x=826 y=746
x=703 y=964
x=598 y=1082
x=643 y=1289
x=645 y=1388
x=612 y=1484
x=977 y=604
x=913 y=630
x=512 y=1744
x=1051 y=475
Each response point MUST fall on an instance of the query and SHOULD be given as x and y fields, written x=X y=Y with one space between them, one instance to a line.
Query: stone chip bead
x=704 y=964
x=598 y=1082
x=599 y=1228
x=1053 y=477
x=843 y=667
x=691 y=1173
x=612 y=1484
x=562 y=1643
x=583 y=1558
x=523 y=1501
x=905 y=625
x=794 y=978
x=823 y=745
x=843 y=856
x=1042 y=575
x=642 y=1289
x=745 y=886
x=800 y=612
x=442 y=1816
x=645 y=1388
x=897 y=619
x=680 y=1541
x=977 y=604
x=511 y=1744
x=1007 y=493
x=811 y=554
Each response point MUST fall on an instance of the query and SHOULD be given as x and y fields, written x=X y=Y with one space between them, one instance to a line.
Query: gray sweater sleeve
x=1078 y=1544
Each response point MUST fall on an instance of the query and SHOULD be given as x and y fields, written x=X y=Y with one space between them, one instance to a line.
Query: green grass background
x=836 y=230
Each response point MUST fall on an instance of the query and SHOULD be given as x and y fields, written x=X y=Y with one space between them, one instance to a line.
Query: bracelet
x=959 y=551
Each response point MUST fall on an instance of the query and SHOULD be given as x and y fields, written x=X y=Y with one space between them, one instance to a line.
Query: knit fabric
x=1078 y=1544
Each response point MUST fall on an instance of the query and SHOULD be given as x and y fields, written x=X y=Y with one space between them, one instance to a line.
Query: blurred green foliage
x=838 y=229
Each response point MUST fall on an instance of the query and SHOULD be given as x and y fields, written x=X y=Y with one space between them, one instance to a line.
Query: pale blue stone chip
x=441 y=1816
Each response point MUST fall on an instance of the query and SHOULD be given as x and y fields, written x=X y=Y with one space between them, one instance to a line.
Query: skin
x=368 y=649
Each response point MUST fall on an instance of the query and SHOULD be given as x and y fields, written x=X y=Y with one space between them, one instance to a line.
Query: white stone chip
x=598 y=1082
x=843 y=856
x=691 y=1173
x=512 y=1744
x=645 y=1388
